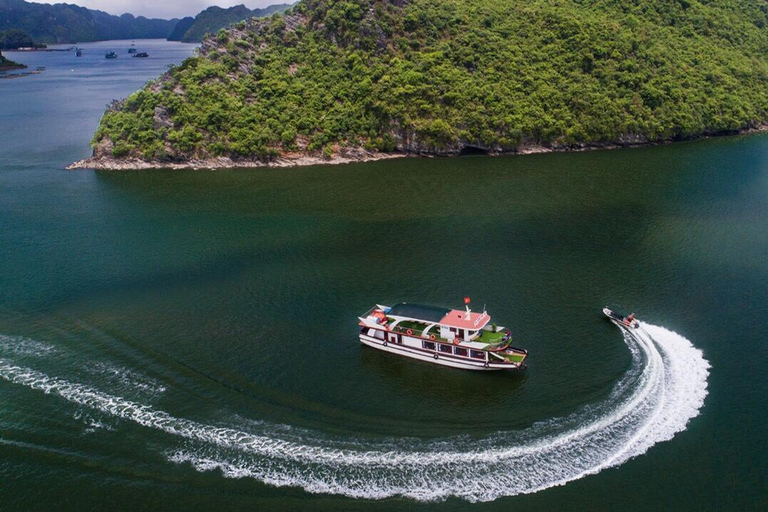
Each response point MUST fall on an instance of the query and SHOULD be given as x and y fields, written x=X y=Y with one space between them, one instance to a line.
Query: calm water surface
x=228 y=300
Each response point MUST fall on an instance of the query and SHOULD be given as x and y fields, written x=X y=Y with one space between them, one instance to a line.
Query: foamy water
x=663 y=390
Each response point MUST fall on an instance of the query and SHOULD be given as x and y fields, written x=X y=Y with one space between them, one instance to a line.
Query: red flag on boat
x=466 y=300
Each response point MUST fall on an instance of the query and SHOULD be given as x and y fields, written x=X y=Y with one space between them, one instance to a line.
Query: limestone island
x=9 y=65
x=332 y=81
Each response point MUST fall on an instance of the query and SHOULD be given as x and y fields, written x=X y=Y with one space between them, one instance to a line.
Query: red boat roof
x=458 y=318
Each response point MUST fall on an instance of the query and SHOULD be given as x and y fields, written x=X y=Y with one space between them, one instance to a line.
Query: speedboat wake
x=663 y=390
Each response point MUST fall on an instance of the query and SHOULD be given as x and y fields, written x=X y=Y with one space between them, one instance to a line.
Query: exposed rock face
x=162 y=119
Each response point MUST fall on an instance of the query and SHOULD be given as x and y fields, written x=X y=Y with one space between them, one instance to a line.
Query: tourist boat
x=449 y=337
x=110 y=55
x=624 y=321
x=141 y=55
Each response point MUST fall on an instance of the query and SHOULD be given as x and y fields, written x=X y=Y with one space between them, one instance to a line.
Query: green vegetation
x=416 y=327
x=441 y=75
x=491 y=338
x=6 y=64
x=211 y=20
x=13 y=39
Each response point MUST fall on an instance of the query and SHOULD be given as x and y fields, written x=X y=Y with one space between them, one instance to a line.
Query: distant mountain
x=181 y=28
x=66 y=23
x=214 y=18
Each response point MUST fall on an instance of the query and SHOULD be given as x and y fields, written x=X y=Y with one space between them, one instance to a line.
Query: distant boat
x=110 y=55
x=142 y=55
x=79 y=53
x=132 y=50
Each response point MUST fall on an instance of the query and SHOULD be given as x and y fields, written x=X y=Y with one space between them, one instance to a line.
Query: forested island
x=212 y=19
x=360 y=79
x=8 y=65
x=14 y=39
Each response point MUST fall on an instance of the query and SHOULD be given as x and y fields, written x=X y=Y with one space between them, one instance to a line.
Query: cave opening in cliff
x=472 y=151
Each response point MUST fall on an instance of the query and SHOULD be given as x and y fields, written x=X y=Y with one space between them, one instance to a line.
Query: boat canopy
x=420 y=312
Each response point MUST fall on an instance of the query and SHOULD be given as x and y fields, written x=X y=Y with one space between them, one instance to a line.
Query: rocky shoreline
x=291 y=160
x=302 y=159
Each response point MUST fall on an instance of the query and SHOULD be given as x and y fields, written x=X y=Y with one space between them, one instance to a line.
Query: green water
x=229 y=299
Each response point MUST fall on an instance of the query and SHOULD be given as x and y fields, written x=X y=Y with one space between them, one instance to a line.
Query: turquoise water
x=176 y=339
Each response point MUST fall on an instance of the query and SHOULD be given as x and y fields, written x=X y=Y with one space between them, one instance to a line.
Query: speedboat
x=132 y=50
x=444 y=336
x=110 y=55
x=141 y=55
x=621 y=320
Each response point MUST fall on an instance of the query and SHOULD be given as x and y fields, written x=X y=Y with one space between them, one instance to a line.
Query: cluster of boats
x=131 y=51
x=450 y=337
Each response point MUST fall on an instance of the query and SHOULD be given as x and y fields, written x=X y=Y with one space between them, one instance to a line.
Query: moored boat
x=132 y=50
x=621 y=320
x=110 y=55
x=141 y=55
x=448 y=337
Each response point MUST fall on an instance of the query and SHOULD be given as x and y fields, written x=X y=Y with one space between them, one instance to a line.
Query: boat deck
x=419 y=328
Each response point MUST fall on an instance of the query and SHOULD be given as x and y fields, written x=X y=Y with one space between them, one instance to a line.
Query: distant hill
x=214 y=18
x=181 y=28
x=66 y=23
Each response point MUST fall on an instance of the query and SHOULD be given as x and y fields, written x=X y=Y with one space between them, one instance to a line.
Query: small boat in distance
x=110 y=55
x=132 y=50
x=141 y=55
x=448 y=337
x=621 y=320
x=79 y=52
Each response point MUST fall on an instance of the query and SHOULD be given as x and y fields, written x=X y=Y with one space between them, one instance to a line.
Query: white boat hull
x=435 y=358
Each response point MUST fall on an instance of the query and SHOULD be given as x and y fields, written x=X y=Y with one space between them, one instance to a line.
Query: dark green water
x=156 y=307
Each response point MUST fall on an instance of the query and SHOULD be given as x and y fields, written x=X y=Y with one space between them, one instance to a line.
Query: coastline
x=9 y=65
x=351 y=157
x=303 y=159
x=292 y=160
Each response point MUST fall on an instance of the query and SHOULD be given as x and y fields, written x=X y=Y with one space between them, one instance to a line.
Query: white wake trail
x=663 y=390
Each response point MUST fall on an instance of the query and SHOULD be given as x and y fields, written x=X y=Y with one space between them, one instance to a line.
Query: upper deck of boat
x=442 y=316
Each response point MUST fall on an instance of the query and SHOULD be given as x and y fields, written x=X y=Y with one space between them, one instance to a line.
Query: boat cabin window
x=477 y=354
x=461 y=351
x=428 y=345
x=446 y=348
x=375 y=333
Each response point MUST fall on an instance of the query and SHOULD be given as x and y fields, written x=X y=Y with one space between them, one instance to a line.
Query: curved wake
x=664 y=388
